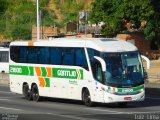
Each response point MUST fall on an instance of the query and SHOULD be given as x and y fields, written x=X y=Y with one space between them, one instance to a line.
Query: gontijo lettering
x=66 y=73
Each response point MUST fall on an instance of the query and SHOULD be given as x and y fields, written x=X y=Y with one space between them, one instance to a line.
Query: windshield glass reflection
x=123 y=69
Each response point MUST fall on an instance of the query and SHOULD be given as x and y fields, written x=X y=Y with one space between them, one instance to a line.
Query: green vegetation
x=18 y=16
x=115 y=12
x=70 y=10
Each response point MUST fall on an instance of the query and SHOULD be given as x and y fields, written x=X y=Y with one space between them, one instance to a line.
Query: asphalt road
x=15 y=107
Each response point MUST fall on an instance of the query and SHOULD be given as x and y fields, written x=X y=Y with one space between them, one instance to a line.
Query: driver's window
x=99 y=74
x=97 y=70
x=95 y=64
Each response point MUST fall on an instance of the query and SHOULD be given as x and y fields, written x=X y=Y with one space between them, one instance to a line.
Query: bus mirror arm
x=147 y=61
x=103 y=64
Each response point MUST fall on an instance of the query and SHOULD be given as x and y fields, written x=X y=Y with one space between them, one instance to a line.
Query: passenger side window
x=15 y=50
x=44 y=55
x=81 y=58
x=92 y=53
x=23 y=54
x=32 y=55
x=68 y=56
x=55 y=56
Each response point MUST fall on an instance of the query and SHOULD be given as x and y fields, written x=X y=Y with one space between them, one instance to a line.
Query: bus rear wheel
x=87 y=98
x=26 y=92
x=35 y=93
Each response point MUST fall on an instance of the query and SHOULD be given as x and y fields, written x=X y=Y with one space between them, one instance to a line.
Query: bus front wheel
x=35 y=93
x=26 y=92
x=87 y=98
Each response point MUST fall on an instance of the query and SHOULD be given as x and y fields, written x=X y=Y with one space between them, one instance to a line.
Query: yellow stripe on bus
x=38 y=71
x=30 y=43
x=42 y=82
x=49 y=72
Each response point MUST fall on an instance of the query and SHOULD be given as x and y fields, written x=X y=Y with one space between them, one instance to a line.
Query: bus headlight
x=142 y=90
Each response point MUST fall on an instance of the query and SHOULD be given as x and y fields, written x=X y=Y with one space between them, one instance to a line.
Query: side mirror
x=145 y=74
x=147 y=61
x=103 y=64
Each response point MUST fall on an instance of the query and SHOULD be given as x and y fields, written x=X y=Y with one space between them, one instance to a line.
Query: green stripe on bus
x=31 y=71
x=81 y=72
x=130 y=89
x=44 y=71
x=21 y=70
x=66 y=73
x=47 y=80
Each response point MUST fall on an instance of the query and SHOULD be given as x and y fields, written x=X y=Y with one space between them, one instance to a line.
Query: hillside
x=17 y=17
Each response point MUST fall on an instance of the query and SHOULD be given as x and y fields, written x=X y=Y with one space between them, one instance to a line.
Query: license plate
x=128 y=98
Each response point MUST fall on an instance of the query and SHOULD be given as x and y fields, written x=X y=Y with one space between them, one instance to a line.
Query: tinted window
x=44 y=55
x=55 y=56
x=68 y=56
x=32 y=55
x=23 y=54
x=92 y=53
x=4 y=56
x=14 y=53
x=80 y=57
x=49 y=55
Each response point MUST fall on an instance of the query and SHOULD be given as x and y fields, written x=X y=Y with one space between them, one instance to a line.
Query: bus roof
x=100 y=44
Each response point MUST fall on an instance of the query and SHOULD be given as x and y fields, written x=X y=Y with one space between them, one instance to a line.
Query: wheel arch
x=83 y=89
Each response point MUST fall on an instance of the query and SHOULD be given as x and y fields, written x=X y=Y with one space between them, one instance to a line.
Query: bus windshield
x=123 y=69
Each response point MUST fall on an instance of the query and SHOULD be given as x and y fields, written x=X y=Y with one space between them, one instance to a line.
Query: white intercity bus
x=4 y=60
x=105 y=70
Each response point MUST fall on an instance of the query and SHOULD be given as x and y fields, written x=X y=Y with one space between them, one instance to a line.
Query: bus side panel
x=16 y=84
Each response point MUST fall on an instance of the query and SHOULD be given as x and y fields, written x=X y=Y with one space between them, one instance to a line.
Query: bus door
x=99 y=78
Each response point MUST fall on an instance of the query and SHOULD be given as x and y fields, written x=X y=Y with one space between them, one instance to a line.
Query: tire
x=122 y=104
x=35 y=93
x=87 y=98
x=26 y=92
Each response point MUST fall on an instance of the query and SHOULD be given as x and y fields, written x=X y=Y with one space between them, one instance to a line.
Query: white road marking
x=6 y=97
x=3 y=99
x=111 y=111
x=118 y=112
x=10 y=108
x=6 y=92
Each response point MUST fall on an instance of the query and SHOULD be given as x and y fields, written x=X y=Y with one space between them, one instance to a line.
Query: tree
x=115 y=13
x=70 y=9
x=18 y=16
